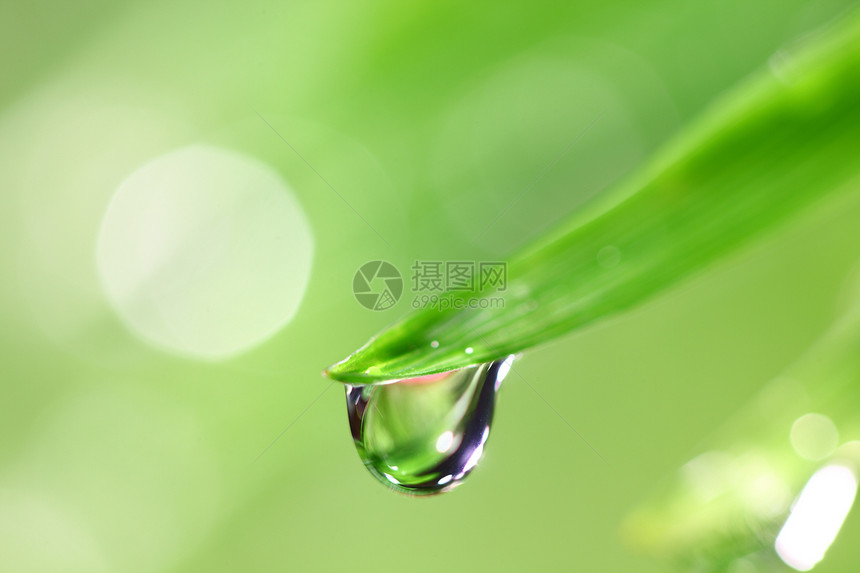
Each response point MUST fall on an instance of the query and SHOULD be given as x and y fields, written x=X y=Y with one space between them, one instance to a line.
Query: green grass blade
x=730 y=501
x=783 y=141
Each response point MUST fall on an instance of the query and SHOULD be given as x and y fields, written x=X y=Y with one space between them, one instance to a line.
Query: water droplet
x=424 y=435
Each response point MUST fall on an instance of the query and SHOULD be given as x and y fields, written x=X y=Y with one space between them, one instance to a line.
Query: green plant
x=779 y=144
x=727 y=507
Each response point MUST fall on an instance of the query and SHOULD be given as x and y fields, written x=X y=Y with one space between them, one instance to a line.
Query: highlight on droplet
x=816 y=517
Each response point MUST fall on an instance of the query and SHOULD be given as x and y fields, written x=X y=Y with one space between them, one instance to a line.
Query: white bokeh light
x=205 y=252
x=816 y=517
x=814 y=436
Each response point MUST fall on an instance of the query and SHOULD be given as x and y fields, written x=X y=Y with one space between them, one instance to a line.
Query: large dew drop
x=423 y=436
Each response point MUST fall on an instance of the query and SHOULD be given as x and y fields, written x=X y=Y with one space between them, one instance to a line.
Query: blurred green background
x=123 y=451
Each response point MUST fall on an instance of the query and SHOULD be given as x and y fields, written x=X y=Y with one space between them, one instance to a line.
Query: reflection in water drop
x=423 y=436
